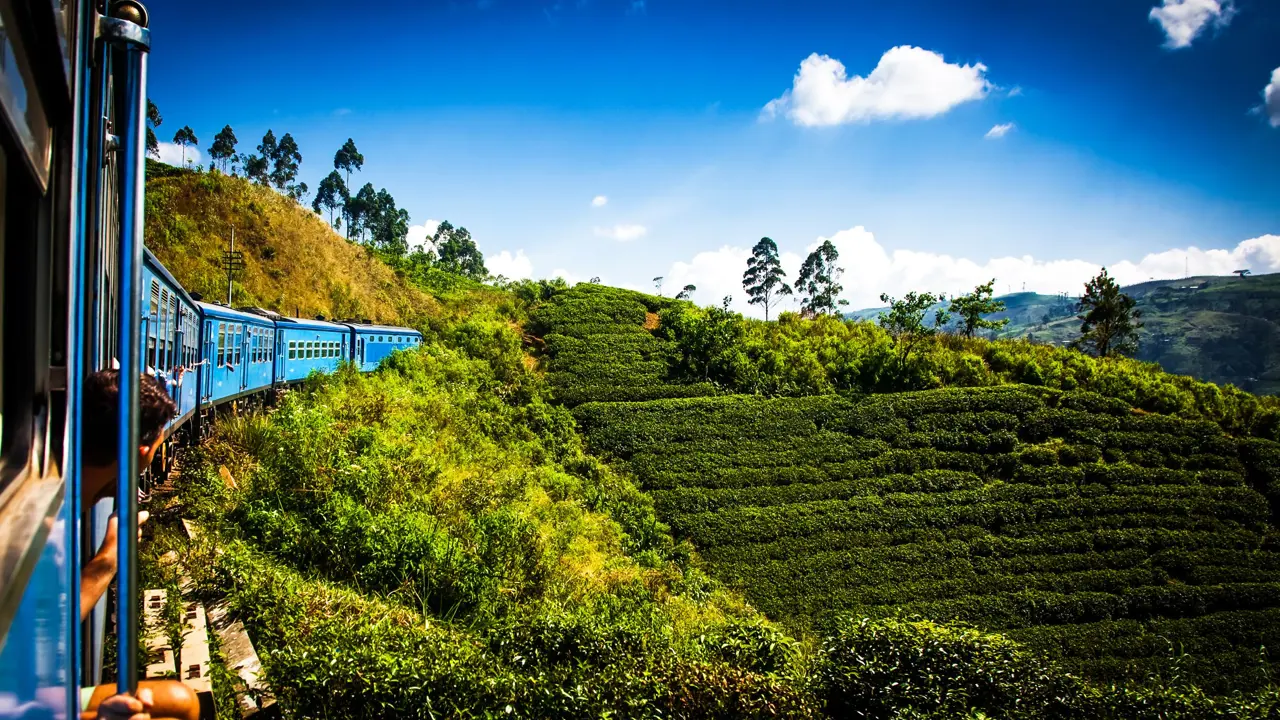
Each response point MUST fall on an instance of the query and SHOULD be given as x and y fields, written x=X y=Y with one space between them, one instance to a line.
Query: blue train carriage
x=373 y=343
x=170 y=337
x=237 y=349
x=307 y=345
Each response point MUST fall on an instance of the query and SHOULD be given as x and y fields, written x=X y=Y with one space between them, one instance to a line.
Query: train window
x=239 y=342
x=293 y=350
x=222 y=344
x=19 y=99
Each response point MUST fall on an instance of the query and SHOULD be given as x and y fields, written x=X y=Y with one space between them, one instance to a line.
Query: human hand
x=107 y=550
x=127 y=707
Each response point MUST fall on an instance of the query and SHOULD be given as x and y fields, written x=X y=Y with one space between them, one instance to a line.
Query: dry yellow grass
x=295 y=263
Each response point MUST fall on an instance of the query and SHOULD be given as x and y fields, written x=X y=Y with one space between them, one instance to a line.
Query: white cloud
x=1271 y=99
x=872 y=269
x=599 y=201
x=420 y=235
x=999 y=131
x=909 y=82
x=1184 y=20
x=621 y=233
x=171 y=154
x=512 y=267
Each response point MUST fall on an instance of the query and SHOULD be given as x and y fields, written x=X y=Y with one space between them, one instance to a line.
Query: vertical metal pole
x=84 y=175
x=230 y=255
x=134 y=42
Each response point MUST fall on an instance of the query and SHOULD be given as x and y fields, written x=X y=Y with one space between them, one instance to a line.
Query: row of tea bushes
x=1010 y=507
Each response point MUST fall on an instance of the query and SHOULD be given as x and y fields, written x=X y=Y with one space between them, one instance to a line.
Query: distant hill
x=1217 y=328
x=295 y=263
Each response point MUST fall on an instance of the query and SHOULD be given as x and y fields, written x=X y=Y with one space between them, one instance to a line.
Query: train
x=228 y=354
x=80 y=294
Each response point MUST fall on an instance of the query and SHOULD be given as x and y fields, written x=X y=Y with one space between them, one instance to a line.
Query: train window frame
x=222 y=344
x=293 y=349
x=239 y=343
x=21 y=103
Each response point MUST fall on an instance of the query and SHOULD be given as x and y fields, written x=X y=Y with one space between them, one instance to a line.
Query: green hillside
x=1220 y=329
x=591 y=502
x=295 y=263
x=1099 y=514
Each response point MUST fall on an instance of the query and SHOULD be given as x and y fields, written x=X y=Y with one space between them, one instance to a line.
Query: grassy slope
x=294 y=262
x=1225 y=332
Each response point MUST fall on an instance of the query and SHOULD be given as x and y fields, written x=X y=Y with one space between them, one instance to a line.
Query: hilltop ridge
x=295 y=264
x=1218 y=328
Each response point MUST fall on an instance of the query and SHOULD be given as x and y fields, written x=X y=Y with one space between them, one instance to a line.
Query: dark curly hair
x=101 y=412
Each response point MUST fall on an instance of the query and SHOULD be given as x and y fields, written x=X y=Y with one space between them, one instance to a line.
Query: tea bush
x=1012 y=507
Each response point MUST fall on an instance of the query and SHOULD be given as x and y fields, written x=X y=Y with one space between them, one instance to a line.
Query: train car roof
x=150 y=259
x=286 y=323
x=359 y=327
x=226 y=312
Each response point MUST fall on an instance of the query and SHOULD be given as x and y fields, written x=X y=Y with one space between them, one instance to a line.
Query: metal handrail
x=128 y=34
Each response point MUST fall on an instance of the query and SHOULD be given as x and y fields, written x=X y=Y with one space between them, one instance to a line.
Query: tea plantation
x=1111 y=539
x=598 y=347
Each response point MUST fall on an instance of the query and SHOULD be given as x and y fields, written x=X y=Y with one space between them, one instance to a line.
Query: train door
x=279 y=344
x=210 y=367
x=246 y=356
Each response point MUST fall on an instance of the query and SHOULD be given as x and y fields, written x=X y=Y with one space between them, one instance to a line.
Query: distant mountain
x=1223 y=329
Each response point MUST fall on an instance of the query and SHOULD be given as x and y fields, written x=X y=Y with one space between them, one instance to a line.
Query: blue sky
x=1139 y=134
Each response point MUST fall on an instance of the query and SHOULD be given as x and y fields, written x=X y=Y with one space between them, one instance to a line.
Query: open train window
x=239 y=342
x=222 y=344
x=293 y=349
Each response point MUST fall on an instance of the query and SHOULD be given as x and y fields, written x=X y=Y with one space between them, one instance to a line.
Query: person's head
x=101 y=413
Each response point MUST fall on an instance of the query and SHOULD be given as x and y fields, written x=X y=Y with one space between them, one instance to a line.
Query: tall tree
x=389 y=225
x=268 y=148
x=348 y=159
x=458 y=252
x=905 y=320
x=764 y=280
x=223 y=147
x=256 y=168
x=820 y=281
x=331 y=195
x=359 y=207
x=185 y=137
x=1108 y=319
x=972 y=307
x=285 y=163
x=153 y=121
x=657 y=284
x=687 y=292
x=906 y=316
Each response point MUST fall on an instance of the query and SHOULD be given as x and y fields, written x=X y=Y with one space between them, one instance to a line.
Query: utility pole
x=233 y=262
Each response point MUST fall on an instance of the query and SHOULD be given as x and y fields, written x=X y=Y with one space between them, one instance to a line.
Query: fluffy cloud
x=599 y=201
x=420 y=235
x=1183 y=20
x=621 y=233
x=1271 y=99
x=999 y=131
x=512 y=267
x=871 y=269
x=171 y=154
x=908 y=82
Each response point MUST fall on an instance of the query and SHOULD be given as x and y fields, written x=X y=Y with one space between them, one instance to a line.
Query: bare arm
x=98 y=572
